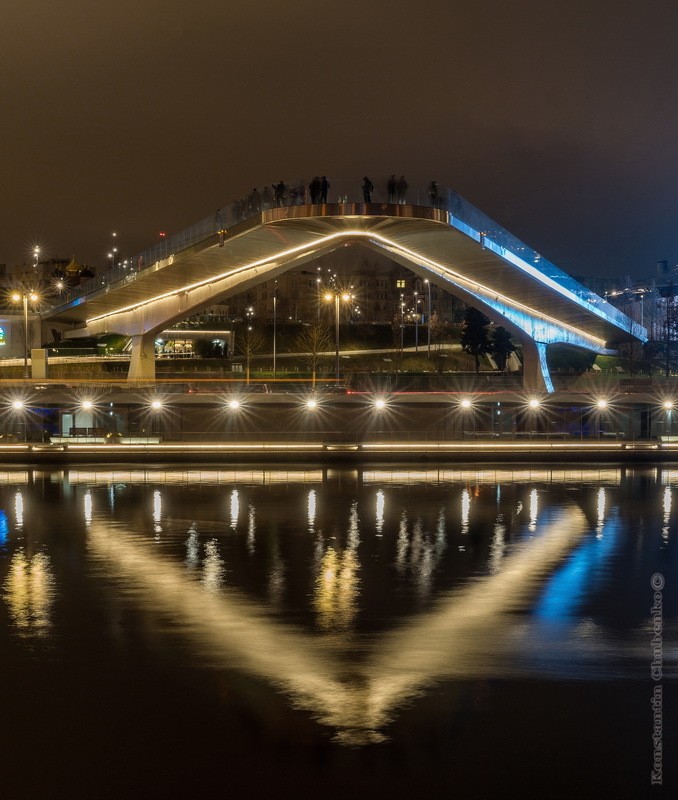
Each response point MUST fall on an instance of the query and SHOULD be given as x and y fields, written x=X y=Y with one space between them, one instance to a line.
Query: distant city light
x=465 y=403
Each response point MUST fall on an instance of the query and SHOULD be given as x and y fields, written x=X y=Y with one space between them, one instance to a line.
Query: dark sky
x=557 y=119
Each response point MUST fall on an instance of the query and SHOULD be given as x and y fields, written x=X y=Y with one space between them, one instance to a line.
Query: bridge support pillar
x=536 y=375
x=142 y=363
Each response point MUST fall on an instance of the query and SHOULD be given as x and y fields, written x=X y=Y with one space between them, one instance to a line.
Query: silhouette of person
x=301 y=192
x=433 y=194
x=315 y=190
x=392 y=188
x=402 y=190
x=266 y=198
x=256 y=200
x=324 y=187
x=368 y=187
x=279 y=192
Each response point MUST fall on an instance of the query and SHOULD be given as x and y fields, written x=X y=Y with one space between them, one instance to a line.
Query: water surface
x=303 y=632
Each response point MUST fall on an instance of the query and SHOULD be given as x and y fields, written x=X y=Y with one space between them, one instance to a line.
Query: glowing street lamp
x=336 y=296
x=25 y=297
x=428 y=284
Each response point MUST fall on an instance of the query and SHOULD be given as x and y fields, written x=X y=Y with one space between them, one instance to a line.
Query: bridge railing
x=463 y=215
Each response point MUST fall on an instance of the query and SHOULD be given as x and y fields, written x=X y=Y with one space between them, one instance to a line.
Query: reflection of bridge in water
x=466 y=632
x=443 y=239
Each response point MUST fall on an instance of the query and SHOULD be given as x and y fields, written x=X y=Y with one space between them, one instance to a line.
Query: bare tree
x=249 y=342
x=312 y=341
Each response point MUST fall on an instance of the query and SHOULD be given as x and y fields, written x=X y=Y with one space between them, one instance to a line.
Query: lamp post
x=275 y=323
x=24 y=297
x=416 y=323
x=336 y=296
x=428 y=284
x=402 y=322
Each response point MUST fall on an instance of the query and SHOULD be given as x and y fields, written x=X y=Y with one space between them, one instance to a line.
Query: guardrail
x=462 y=214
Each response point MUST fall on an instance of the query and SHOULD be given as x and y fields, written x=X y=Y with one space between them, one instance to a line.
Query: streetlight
x=24 y=297
x=275 y=322
x=36 y=256
x=416 y=323
x=336 y=296
x=428 y=284
x=402 y=321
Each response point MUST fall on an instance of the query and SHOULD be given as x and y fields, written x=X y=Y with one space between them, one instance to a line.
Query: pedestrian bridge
x=440 y=237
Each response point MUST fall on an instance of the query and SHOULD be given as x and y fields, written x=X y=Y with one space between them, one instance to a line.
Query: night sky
x=140 y=116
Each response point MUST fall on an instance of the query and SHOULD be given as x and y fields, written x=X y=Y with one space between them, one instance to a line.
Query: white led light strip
x=472 y=286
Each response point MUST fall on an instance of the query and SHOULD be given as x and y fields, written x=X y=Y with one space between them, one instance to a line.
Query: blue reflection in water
x=567 y=587
x=4 y=528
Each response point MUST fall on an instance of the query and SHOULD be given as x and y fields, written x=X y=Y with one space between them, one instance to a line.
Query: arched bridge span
x=487 y=268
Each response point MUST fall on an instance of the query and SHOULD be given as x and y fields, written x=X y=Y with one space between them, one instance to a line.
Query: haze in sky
x=137 y=117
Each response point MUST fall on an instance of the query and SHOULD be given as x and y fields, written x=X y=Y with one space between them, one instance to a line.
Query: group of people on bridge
x=279 y=195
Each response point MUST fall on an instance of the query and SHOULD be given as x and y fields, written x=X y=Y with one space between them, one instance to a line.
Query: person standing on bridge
x=256 y=201
x=279 y=190
x=392 y=188
x=315 y=190
x=266 y=198
x=433 y=194
x=324 y=188
x=402 y=190
x=368 y=188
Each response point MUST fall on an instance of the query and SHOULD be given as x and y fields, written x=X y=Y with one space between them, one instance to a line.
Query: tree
x=475 y=339
x=502 y=346
x=312 y=341
x=249 y=342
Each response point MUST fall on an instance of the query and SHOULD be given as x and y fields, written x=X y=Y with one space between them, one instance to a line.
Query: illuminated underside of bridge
x=542 y=306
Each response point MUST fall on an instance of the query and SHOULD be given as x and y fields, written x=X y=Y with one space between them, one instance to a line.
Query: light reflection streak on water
x=29 y=591
x=667 y=512
x=498 y=545
x=157 y=507
x=235 y=508
x=566 y=588
x=601 y=511
x=19 y=510
x=379 y=513
x=87 y=507
x=402 y=543
x=466 y=632
x=4 y=529
x=441 y=533
x=311 y=510
x=251 y=530
x=276 y=576
x=534 y=510
x=192 y=548
x=213 y=571
x=465 y=510
x=337 y=583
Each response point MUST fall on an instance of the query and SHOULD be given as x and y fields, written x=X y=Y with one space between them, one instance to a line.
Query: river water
x=302 y=632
